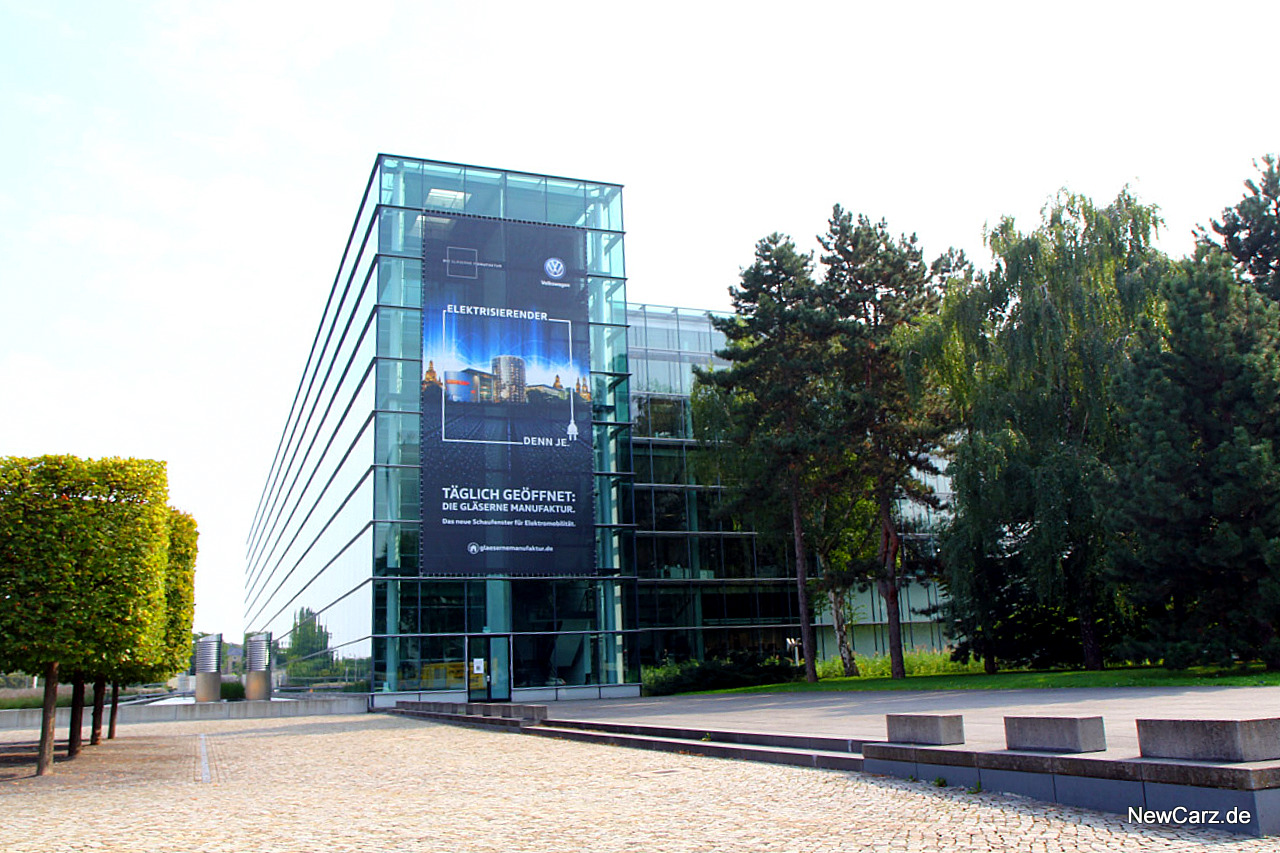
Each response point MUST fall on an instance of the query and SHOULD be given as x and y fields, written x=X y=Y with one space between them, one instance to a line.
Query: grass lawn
x=1118 y=677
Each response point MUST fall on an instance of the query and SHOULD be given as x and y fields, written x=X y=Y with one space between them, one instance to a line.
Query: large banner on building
x=506 y=399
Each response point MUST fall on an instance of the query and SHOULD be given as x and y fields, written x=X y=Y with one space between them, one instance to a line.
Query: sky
x=178 y=179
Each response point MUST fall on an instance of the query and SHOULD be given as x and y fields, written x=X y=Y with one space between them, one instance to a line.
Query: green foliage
x=1200 y=484
x=768 y=406
x=737 y=670
x=1148 y=676
x=232 y=691
x=180 y=592
x=82 y=561
x=1032 y=354
x=916 y=661
x=1250 y=231
x=876 y=289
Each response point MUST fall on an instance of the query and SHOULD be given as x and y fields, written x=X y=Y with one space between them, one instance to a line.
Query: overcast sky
x=177 y=180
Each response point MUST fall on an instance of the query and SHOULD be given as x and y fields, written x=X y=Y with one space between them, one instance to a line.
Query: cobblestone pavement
x=377 y=783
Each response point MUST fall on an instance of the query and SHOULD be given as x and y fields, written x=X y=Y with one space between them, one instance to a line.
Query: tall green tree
x=1200 y=495
x=174 y=653
x=82 y=553
x=1250 y=231
x=774 y=411
x=1032 y=354
x=876 y=289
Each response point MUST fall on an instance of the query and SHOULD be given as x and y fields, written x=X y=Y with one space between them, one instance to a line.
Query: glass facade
x=336 y=566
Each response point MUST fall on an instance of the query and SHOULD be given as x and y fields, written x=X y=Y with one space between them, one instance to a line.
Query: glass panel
x=400 y=232
x=400 y=282
x=669 y=510
x=395 y=494
x=526 y=198
x=395 y=549
x=604 y=254
x=609 y=349
x=398 y=386
x=608 y=300
x=667 y=418
x=706 y=553
x=396 y=439
x=672 y=556
x=400 y=333
x=484 y=192
x=532 y=606
x=442 y=188
x=443 y=610
x=604 y=207
x=566 y=202
x=668 y=465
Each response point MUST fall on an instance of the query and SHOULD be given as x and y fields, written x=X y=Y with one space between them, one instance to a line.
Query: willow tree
x=1034 y=351
x=82 y=561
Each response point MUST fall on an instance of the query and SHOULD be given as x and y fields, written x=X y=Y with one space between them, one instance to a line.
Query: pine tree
x=876 y=288
x=1250 y=231
x=1201 y=482
x=774 y=411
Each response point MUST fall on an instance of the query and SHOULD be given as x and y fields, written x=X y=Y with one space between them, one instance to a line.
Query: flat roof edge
x=385 y=155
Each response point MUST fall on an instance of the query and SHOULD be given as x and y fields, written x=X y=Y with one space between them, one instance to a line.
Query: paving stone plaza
x=372 y=782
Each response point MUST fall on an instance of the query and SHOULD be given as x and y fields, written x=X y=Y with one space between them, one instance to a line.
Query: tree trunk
x=1090 y=642
x=115 y=709
x=44 y=758
x=76 y=734
x=989 y=664
x=888 y=586
x=841 y=626
x=99 y=699
x=802 y=585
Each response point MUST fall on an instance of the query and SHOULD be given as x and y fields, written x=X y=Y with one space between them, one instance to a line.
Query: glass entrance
x=489 y=668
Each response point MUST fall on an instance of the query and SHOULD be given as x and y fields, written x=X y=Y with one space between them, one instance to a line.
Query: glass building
x=483 y=487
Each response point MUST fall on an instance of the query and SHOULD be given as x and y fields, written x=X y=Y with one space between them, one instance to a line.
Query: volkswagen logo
x=554 y=267
x=473 y=548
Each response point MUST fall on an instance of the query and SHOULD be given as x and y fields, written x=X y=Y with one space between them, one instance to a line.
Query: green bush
x=232 y=691
x=739 y=669
x=917 y=661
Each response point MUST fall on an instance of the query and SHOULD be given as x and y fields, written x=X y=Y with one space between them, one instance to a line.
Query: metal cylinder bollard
x=209 y=668
x=257 y=654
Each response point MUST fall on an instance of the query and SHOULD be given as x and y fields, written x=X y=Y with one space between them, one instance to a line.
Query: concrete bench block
x=1210 y=740
x=1055 y=734
x=931 y=729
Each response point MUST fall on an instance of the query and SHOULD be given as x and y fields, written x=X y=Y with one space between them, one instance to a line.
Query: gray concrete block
x=950 y=774
x=1105 y=795
x=1055 y=734
x=931 y=729
x=1210 y=740
x=1205 y=808
x=1038 y=786
x=883 y=767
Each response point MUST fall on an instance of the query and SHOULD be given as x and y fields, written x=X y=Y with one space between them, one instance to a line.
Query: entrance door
x=489 y=668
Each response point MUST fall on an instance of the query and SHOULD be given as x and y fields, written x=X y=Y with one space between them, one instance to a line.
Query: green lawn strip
x=1119 y=677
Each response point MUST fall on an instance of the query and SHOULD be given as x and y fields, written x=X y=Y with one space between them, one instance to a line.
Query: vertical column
x=209 y=668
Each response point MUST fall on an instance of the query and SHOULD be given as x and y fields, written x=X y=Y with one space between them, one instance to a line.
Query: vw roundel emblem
x=554 y=267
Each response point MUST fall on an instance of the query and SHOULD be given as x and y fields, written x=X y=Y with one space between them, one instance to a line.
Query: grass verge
x=1134 y=676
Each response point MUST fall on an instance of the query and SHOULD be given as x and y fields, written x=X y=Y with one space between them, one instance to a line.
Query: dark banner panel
x=506 y=401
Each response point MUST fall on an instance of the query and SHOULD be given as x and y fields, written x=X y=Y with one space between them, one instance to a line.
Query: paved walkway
x=378 y=783
x=861 y=715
